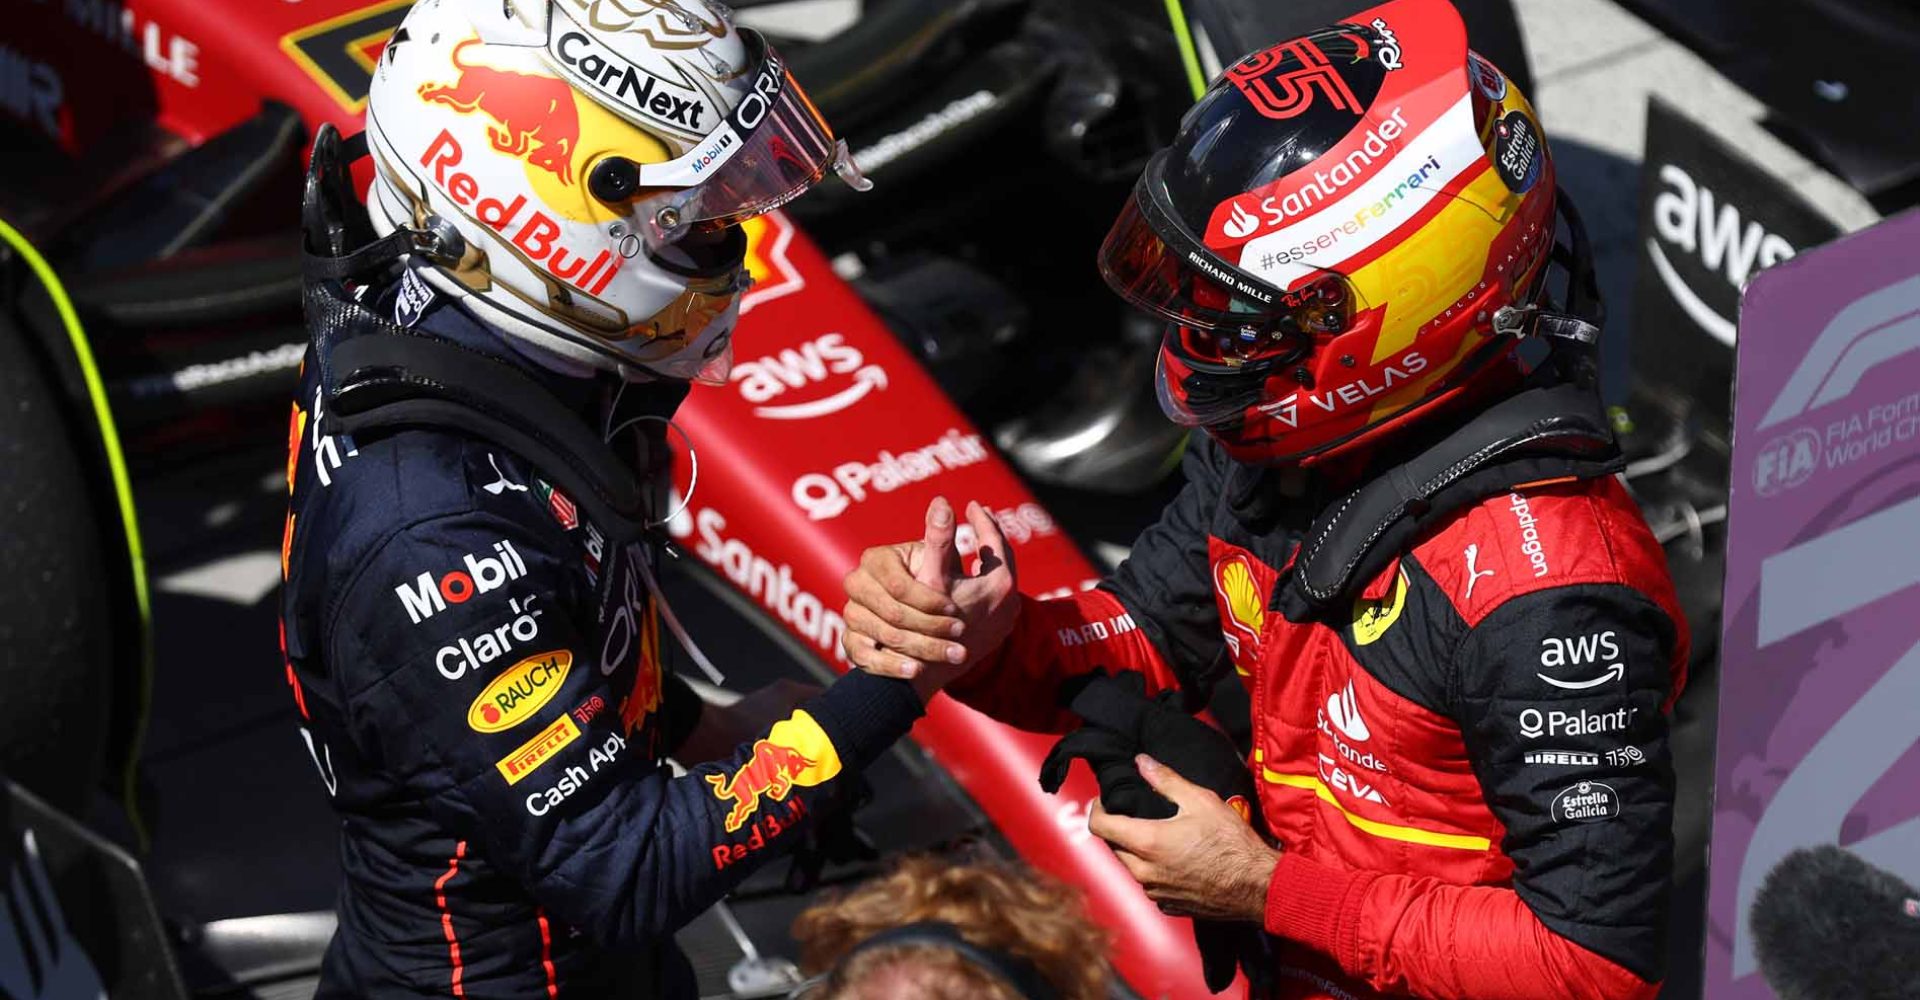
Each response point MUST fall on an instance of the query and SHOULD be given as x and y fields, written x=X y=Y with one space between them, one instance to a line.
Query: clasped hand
x=914 y=610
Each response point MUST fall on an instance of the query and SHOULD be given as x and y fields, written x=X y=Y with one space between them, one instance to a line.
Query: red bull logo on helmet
x=795 y=754
x=533 y=114
x=532 y=232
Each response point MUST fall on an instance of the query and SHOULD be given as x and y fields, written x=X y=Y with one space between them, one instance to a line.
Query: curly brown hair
x=992 y=904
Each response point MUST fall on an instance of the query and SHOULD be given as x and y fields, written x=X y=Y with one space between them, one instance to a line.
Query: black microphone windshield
x=1828 y=925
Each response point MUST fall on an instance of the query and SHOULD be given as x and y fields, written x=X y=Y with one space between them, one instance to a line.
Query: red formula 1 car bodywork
x=830 y=438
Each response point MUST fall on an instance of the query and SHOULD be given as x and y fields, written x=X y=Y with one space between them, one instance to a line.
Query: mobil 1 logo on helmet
x=425 y=596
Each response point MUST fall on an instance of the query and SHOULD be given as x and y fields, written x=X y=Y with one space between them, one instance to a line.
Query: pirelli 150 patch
x=529 y=756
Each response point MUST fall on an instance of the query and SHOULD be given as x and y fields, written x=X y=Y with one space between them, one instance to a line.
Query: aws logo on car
x=1717 y=240
x=519 y=692
x=828 y=361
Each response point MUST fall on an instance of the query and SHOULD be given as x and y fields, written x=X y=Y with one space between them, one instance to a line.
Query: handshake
x=916 y=612
x=1176 y=798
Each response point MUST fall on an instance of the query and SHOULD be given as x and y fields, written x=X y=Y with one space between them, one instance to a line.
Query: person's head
x=577 y=170
x=1333 y=232
x=1024 y=923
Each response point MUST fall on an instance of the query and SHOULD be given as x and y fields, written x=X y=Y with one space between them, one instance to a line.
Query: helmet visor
x=1220 y=315
x=772 y=147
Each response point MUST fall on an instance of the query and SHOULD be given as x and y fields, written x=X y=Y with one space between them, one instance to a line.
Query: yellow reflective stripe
x=1456 y=841
x=1189 y=56
x=122 y=491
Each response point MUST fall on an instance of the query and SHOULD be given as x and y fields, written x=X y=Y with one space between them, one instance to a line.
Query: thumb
x=992 y=551
x=937 y=548
x=1170 y=784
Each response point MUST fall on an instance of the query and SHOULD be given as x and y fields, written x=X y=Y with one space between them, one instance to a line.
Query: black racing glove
x=1120 y=721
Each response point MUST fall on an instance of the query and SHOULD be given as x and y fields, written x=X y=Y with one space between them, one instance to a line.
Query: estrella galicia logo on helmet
x=426 y=597
x=534 y=117
x=1516 y=152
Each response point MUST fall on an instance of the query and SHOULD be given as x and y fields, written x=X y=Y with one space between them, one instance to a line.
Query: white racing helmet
x=551 y=154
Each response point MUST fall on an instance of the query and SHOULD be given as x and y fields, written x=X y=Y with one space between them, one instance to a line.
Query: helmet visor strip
x=1222 y=316
x=772 y=147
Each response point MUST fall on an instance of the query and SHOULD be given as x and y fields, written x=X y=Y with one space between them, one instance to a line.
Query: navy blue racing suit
x=479 y=679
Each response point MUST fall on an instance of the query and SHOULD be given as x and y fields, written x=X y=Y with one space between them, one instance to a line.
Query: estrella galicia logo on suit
x=519 y=692
x=1586 y=802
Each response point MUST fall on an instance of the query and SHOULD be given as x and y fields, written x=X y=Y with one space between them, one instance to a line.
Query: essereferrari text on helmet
x=1332 y=232
x=556 y=155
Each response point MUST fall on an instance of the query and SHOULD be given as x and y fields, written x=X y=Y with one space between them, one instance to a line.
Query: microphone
x=1828 y=925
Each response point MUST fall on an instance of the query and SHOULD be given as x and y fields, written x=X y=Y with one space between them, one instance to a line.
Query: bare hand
x=913 y=611
x=1205 y=861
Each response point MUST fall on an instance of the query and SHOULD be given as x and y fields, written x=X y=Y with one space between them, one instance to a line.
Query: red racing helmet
x=1333 y=231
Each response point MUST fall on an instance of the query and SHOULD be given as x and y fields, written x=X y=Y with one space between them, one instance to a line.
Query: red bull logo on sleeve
x=795 y=754
x=533 y=115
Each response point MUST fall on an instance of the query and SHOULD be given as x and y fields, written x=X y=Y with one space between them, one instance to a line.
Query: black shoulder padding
x=390 y=380
x=1541 y=433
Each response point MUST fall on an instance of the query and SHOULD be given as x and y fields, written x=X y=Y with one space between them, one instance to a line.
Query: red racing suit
x=1465 y=767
